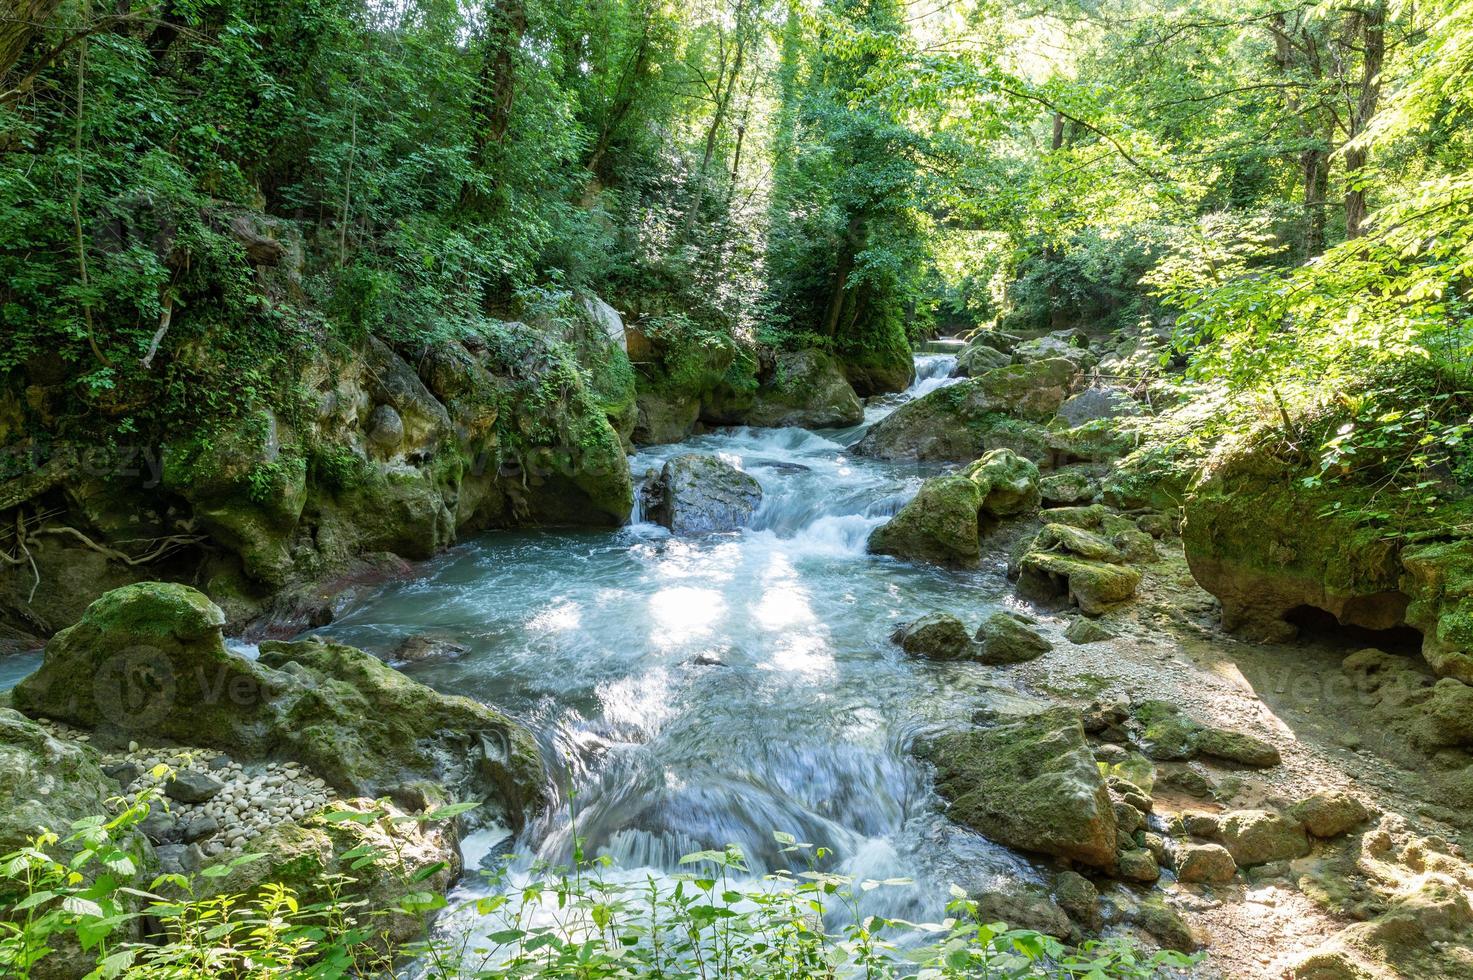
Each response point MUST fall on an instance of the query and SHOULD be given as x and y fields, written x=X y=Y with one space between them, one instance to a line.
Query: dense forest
x=563 y=354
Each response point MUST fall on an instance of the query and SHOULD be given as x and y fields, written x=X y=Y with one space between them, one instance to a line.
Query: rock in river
x=700 y=494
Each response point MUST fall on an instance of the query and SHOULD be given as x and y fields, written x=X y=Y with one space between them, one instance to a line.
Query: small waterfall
x=932 y=371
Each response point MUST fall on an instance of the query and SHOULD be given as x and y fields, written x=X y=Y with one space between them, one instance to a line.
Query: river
x=698 y=692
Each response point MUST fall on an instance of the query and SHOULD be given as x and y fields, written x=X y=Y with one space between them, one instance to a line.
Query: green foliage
x=588 y=921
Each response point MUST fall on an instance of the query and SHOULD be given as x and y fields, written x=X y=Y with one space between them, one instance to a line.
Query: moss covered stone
x=1004 y=638
x=149 y=662
x=1032 y=784
x=1009 y=483
x=806 y=389
x=938 y=525
x=1094 y=586
x=936 y=636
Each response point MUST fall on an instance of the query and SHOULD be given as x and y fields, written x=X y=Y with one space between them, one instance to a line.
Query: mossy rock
x=1094 y=586
x=806 y=389
x=1260 y=836
x=964 y=421
x=1032 y=784
x=936 y=636
x=979 y=357
x=148 y=662
x=1073 y=485
x=1009 y=483
x=1004 y=638
x=46 y=783
x=879 y=369
x=939 y=525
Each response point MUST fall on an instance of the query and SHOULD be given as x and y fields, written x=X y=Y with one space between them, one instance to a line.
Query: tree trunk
x=19 y=20
x=1315 y=168
x=1373 y=36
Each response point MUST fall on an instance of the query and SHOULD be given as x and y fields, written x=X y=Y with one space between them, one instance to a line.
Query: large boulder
x=148 y=662
x=1260 y=836
x=46 y=783
x=1009 y=483
x=979 y=357
x=1056 y=347
x=1001 y=409
x=1097 y=404
x=936 y=636
x=1168 y=734
x=807 y=389
x=1030 y=783
x=700 y=494
x=373 y=862
x=1006 y=638
x=940 y=524
x=1267 y=544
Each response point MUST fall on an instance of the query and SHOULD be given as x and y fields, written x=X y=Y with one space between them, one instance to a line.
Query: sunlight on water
x=702 y=691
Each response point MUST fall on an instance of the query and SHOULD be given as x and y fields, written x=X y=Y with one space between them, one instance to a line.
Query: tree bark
x=1373 y=44
x=19 y=21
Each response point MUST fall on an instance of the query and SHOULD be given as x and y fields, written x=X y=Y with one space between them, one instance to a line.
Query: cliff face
x=341 y=459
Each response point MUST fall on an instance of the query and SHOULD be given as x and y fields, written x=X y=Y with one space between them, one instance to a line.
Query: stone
x=1079 y=898
x=123 y=772
x=1259 y=836
x=1085 y=630
x=1002 y=409
x=1230 y=746
x=161 y=826
x=1054 y=347
x=1094 y=586
x=979 y=357
x=937 y=636
x=1201 y=824
x=1024 y=906
x=1330 y=813
x=1164 y=924
x=192 y=786
x=1138 y=865
x=807 y=389
x=702 y=494
x=938 y=525
x=410 y=857
x=423 y=647
x=1168 y=734
x=1029 y=783
x=362 y=725
x=1004 y=638
x=1008 y=482
x=1071 y=485
x=1205 y=863
x=1096 y=404
x=385 y=428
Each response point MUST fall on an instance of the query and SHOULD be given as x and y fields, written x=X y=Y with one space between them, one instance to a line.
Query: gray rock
x=386 y=428
x=1260 y=836
x=1209 y=863
x=1071 y=485
x=1078 y=896
x=161 y=827
x=200 y=826
x=123 y=772
x=700 y=494
x=1330 y=813
x=1094 y=404
x=192 y=786
x=1085 y=630
x=428 y=646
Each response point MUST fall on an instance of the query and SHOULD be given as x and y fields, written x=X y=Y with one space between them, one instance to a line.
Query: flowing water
x=695 y=692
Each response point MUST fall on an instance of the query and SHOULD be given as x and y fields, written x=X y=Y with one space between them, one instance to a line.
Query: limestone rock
x=148 y=662
x=1078 y=897
x=1005 y=638
x=1097 y=403
x=938 y=525
x=1259 y=836
x=979 y=357
x=807 y=389
x=1029 y=783
x=937 y=636
x=1093 y=586
x=1068 y=486
x=1024 y=906
x=1009 y=483
x=1330 y=813
x=1138 y=864
x=1207 y=863
x=45 y=782
x=1085 y=630
x=701 y=494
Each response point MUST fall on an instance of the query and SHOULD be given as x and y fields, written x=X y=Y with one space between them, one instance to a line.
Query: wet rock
x=422 y=647
x=1259 y=836
x=1024 y=906
x=1205 y=863
x=362 y=725
x=161 y=826
x=1004 y=638
x=192 y=786
x=1008 y=483
x=1138 y=865
x=700 y=494
x=1201 y=824
x=938 y=525
x=1103 y=716
x=1131 y=795
x=1068 y=486
x=1079 y=898
x=123 y=772
x=1085 y=630
x=937 y=636
x=806 y=388
x=1029 y=783
x=1330 y=813
x=200 y=826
